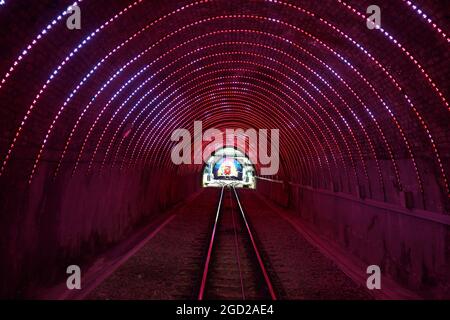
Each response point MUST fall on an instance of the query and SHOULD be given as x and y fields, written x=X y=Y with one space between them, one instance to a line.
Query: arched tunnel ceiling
x=354 y=106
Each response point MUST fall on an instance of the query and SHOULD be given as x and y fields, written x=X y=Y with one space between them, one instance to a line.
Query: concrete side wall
x=50 y=224
x=412 y=250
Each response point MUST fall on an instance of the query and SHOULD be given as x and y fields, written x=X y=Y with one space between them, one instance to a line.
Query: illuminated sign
x=227 y=168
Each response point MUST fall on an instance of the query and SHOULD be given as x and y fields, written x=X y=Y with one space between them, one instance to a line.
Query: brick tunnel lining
x=353 y=121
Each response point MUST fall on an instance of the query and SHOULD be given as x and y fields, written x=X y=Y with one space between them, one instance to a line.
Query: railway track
x=233 y=268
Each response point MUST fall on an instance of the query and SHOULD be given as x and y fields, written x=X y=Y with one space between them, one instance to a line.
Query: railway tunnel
x=115 y=156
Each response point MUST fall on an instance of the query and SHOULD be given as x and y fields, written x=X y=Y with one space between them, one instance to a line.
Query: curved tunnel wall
x=87 y=114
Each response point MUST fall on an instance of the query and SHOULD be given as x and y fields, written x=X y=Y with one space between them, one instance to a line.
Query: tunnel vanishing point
x=93 y=205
